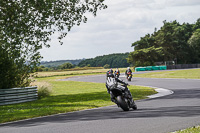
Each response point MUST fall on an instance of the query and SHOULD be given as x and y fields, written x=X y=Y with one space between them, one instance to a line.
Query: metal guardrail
x=150 y=68
x=183 y=66
x=18 y=95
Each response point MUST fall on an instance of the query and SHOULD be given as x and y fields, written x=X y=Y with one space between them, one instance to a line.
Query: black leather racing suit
x=127 y=91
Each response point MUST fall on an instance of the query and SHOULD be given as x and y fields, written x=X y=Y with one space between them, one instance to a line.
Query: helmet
x=110 y=74
x=128 y=67
x=115 y=75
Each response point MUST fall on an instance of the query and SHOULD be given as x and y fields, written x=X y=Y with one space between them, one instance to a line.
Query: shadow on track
x=111 y=112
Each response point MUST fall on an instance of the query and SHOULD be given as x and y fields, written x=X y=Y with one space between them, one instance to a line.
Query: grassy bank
x=195 y=129
x=67 y=96
x=186 y=74
x=71 y=72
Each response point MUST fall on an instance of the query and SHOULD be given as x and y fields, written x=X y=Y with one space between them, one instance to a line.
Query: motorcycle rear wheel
x=122 y=103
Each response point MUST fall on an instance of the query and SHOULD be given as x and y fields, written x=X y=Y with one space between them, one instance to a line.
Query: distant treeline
x=111 y=60
x=106 y=61
x=172 y=42
x=59 y=62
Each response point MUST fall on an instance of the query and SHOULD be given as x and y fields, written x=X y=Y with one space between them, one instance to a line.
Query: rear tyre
x=122 y=103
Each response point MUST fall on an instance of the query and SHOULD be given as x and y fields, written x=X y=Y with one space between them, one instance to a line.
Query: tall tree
x=113 y=60
x=146 y=56
x=66 y=66
x=168 y=44
x=194 y=43
x=27 y=25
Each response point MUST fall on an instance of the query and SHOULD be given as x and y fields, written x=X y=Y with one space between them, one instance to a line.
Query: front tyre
x=134 y=107
x=122 y=103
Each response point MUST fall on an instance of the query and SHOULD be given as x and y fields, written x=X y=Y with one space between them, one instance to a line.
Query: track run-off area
x=178 y=110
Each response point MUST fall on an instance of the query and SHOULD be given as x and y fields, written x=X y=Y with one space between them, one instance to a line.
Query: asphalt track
x=165 y=114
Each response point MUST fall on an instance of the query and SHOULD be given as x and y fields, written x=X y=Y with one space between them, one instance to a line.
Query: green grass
x=186 y=74
x=195 y=129
x=75 y=72
x=67 y=96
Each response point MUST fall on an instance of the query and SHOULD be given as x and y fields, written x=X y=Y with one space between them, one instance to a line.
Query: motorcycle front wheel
x=134 y=106
x=122 y=103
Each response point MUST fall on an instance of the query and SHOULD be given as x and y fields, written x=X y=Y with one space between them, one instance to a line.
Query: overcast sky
x=114 y=29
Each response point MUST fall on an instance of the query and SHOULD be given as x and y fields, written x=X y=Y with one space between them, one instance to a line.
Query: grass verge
x=195 y=129
x=75 y=72
x=67 y=96
x=186 y=74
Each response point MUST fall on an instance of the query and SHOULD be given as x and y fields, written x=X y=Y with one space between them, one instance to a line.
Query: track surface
x=159 y=115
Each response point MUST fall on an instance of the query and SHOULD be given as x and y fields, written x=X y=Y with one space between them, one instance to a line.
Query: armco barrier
x=183 y=66
x=150 y=68
x=140 y=69
x=18 y=95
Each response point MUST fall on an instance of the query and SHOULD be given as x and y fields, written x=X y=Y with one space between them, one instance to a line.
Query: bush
x=13 y=73
x=44 y=91
x=106 y=66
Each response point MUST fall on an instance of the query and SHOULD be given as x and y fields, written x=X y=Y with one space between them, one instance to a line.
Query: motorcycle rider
x=109 y=72
x=117 y=73
x=113 y=81
x=128 y=71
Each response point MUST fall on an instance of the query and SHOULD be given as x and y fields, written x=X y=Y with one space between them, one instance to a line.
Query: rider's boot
x=132 y=103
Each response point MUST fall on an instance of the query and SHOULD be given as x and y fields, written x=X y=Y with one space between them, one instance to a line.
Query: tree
x=114 y=60
x=65 y=66
x=194 y=43
x=27 y=25
x=10 y=75
x=168 y=44
x=173 y=38
x=146 y=56
x=106 y=66
x=40 y=68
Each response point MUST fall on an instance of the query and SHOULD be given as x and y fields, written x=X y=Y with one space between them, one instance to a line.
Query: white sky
x=114 y=29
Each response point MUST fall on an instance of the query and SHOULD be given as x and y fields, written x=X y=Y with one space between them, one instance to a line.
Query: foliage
x=114 y=60
x=65 y=66
x=27 y=25
x=44 y=91
x=151 y=54
x=173 y=42
x=54 y=64
x=13 y=73
x=194 y=43
x=106 y=66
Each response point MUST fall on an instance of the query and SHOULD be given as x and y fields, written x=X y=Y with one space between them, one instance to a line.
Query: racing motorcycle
x=117 y=74
x=129 y=76
x=121 y=98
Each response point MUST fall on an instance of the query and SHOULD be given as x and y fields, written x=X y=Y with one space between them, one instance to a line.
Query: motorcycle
x=122 y=99
x=129 y=76
x=117 y=74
